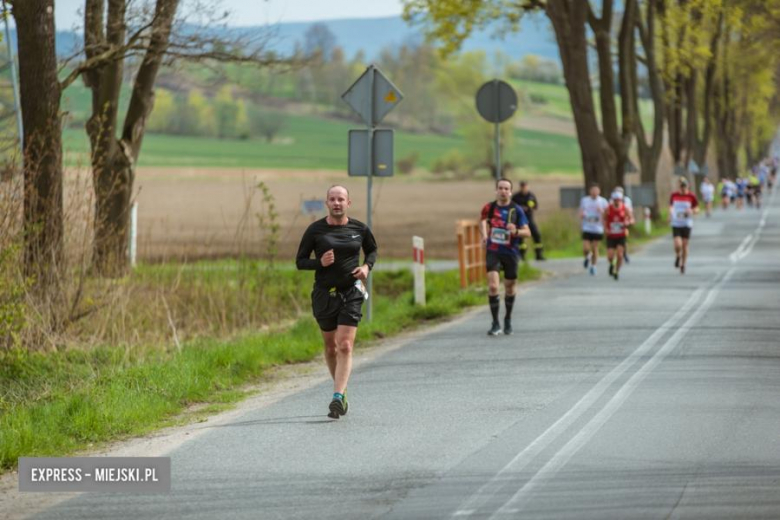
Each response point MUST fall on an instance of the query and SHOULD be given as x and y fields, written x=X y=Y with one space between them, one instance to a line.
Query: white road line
x=557 y=461
x=753 y=238
x=735 y=256
x=522 y=459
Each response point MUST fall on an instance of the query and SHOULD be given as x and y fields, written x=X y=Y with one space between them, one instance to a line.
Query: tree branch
x=113 y=53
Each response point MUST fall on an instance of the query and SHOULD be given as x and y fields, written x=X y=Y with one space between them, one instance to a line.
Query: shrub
x=13 y=287
x=406 y=164
x=452 y=161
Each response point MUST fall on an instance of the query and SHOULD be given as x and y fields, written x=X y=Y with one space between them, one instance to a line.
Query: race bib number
x=615 y=227
x=499 y=236
x=681 y=215
x=593 y=219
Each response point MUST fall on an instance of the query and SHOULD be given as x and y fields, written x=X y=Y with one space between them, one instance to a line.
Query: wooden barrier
x=471 y=253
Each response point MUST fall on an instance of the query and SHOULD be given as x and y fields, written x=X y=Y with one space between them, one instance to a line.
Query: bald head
x=337 y=187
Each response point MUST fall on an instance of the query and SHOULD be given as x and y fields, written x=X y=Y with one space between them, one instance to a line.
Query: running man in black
x=338 y=294
x=526 y=199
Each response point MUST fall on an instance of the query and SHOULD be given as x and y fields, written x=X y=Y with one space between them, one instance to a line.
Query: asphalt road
x=657 y=396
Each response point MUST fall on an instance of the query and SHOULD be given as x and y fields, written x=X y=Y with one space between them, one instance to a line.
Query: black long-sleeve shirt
x=346 y=242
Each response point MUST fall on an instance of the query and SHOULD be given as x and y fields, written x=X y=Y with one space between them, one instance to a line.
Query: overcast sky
x=259 y=12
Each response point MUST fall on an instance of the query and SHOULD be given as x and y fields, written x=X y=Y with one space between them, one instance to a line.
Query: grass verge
x=58 y=403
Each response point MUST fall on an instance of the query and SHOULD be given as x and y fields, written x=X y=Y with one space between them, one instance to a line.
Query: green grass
x=62 y=402
x=557 y=103
x=556 y=96
x=310 y=142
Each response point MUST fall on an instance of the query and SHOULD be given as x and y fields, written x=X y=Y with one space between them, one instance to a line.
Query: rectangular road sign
x=372 y=96
x=313 y=207
x=382 y=153
x=641 y=195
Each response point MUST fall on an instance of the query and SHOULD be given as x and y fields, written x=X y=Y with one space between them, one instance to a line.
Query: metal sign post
x=370 y=183
x=496 y=102
x=14 y=82
x=372 y=97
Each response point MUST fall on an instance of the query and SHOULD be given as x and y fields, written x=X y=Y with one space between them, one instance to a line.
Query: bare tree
x=155 y=34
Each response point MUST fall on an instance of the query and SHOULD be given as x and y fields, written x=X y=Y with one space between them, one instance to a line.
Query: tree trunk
x=602 y=29
x=114 y=160
x=649 y=153
x=568 y=18
x=675 y=119
x=702 y=142
x=111 y=190
x=750 y=156
x=42 y=143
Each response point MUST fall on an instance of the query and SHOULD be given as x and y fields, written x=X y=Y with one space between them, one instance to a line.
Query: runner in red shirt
x=616 y=221
x=683 y=205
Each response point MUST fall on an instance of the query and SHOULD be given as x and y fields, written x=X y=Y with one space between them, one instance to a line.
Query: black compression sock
x=494 y=305
x=509 y=301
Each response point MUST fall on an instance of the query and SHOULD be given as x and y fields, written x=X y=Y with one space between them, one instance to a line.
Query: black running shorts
x=496 y=262
x=592 y=237
x=334 y=308
x=612 y=243
x=682 y=232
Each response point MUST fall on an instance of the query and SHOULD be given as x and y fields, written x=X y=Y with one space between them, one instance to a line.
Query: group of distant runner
x=746 y=190
x=600 y=217
x=337 y=241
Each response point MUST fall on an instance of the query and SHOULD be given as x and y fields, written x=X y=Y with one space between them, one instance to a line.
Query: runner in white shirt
x=630 y=211
x=707 y=195
x=592 y=209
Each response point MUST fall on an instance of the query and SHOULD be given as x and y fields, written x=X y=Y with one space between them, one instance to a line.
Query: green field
x=309 y=142
x=556 y=101
x=556 y=98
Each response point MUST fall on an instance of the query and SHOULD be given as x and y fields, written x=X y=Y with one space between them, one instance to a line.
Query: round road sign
x=496 y=101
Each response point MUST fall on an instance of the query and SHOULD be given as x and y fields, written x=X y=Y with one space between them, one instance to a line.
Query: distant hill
x=371 y=35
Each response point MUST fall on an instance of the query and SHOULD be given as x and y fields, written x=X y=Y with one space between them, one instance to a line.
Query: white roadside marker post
x=132 y=248
x=648 y=222
x=418 y=269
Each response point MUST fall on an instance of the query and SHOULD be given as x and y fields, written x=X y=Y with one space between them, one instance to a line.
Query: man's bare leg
x=329 y=338
x=345 y=341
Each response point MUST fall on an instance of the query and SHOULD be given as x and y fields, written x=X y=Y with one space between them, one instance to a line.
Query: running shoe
x=586 y=262
x=508 y=327
x=346 y=404
x=336 y=408
x=682 y=269
x=625 y=257
x=677 y=261
x=612 y=269
x=615 y=276
x=593 y=270
x=495 y=329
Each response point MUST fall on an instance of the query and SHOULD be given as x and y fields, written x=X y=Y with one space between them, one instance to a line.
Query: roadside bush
x=560 y=229
x=406 y=164
x=265 y=123
x=13 y=287
x=452 y=161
